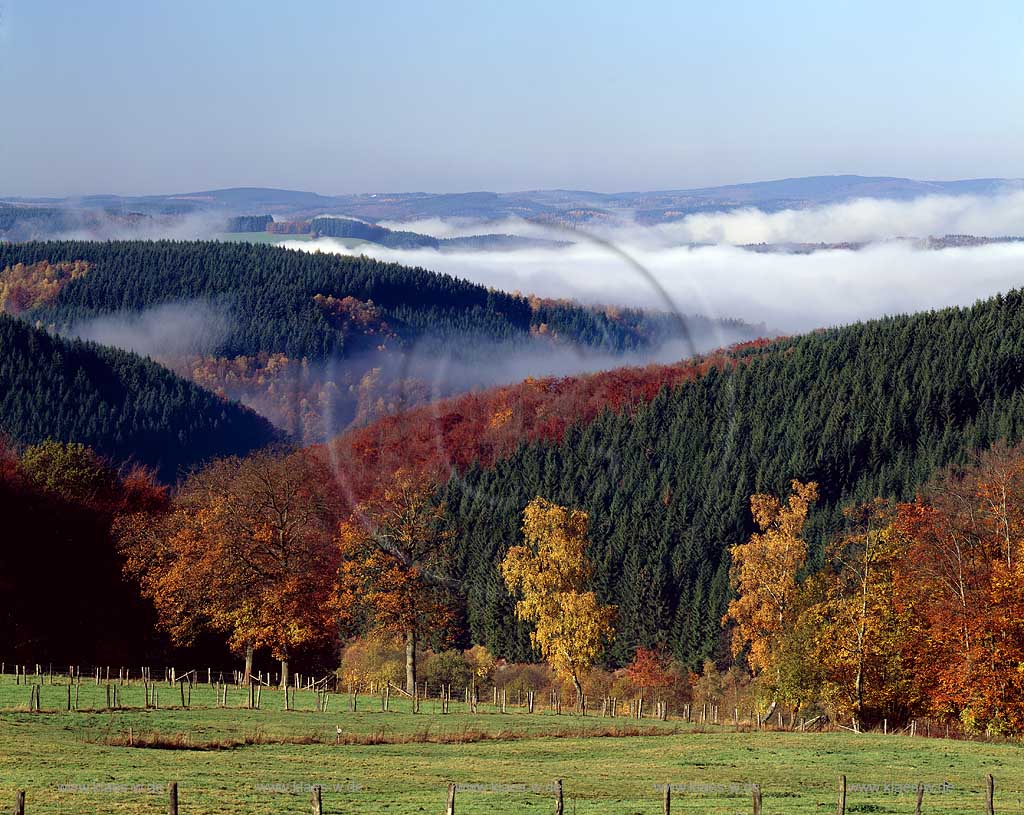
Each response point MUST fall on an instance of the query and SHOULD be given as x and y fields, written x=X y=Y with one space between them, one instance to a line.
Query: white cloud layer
x=696 y=261
x=788 y=292
x=864 y=219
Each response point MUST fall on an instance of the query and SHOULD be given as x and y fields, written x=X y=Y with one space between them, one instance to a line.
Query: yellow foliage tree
x=763 y=574
x=550 y=574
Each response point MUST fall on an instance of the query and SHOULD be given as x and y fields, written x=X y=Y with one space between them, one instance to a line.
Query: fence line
x=526 y=699
x=756 y=794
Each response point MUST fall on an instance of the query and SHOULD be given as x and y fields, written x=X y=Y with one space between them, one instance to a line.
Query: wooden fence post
x=316 y=801
x=559 y=807
x=841 y=808
x=668 y=799
x=990 y=788
x=450 y=808
x=920 y=797
x=19 y=802
x=756 y=794
x=172 y=798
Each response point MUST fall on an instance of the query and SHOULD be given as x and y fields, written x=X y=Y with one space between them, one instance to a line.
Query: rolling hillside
x=128 y=409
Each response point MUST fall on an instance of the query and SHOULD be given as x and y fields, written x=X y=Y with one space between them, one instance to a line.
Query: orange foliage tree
x=964 y=579
x=649 y=669
x=245 y=550
x=391 y=580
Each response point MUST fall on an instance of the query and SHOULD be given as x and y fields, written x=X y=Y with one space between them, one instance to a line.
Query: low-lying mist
x=789 y=292
x=859 y=220
x=170 y=330
x=496 y=364
x=315 y=399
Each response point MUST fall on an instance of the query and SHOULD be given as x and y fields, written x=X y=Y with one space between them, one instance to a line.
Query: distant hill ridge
x=551 y=205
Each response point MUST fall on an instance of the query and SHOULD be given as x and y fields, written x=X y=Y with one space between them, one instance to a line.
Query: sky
x=136 y=97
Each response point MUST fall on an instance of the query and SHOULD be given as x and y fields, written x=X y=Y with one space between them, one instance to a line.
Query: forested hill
x=126 y=408
x=309 y=305
x=870 y=409
x=316 y=342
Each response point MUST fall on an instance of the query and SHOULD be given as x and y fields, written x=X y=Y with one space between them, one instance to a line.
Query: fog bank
x=789 y=292
x=169 y=330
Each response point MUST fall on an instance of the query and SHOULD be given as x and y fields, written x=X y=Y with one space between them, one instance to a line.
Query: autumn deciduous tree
x=648 y=669
x=764 y=576
x=23 y=287
x=550 y=574
x=245 y=550
x=391 y=580
x=919 y=608
x=72 y=470
x=963 y=577
x=862 y=628
x=366 y=662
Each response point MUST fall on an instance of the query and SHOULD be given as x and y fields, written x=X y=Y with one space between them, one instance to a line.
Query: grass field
x=400 y=762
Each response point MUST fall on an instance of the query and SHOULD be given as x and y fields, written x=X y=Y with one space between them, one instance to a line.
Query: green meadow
x=264 y=762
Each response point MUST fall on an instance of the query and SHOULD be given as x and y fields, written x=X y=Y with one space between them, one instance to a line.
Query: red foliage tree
x=649 y=669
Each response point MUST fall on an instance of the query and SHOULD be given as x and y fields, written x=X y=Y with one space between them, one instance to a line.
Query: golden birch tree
x=550 y=573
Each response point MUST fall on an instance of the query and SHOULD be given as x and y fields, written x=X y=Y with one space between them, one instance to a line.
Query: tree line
x=262 y=552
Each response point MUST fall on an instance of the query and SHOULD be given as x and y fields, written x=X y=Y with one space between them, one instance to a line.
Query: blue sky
x=137 y=97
